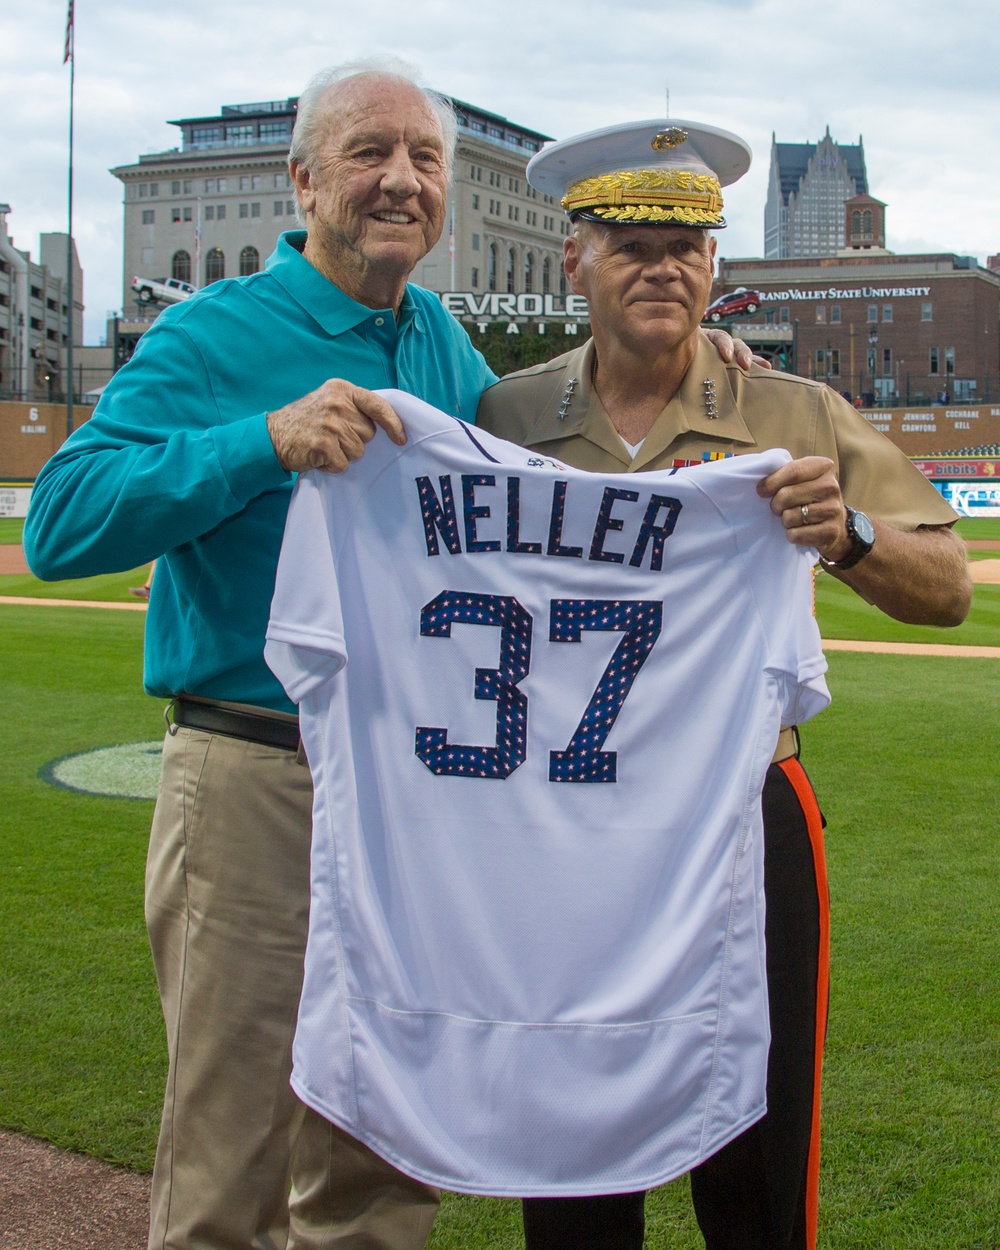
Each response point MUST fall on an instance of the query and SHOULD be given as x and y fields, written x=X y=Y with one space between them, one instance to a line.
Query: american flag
x=68 y=50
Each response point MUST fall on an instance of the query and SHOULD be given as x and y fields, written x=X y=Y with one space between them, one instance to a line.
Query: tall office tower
x=808 y=185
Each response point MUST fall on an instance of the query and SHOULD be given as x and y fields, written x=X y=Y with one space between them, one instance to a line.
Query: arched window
x=546 y=275
x=529 y=272
x=866 y=221
x=562 y=284
x=215 y=265
x=249 y=261
x=511 y=271
x=856 y=221
x=180 y=267
x=491 y=268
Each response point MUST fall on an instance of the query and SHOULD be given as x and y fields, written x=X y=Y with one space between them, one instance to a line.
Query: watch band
x=861 y=532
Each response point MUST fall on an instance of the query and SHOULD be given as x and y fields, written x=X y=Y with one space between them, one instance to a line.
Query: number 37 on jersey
x=582 y=759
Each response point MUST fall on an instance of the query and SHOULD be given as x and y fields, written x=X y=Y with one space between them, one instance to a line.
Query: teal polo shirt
x=176 y=461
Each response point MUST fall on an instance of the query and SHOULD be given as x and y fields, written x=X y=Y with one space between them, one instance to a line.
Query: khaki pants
x=227 y=902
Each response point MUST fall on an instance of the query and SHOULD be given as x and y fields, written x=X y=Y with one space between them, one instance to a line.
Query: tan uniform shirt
x=554 y=408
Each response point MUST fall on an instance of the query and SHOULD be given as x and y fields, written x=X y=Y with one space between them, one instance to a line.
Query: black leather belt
x=269 y=729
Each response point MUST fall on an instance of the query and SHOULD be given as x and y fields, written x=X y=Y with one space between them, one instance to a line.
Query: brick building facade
x=908 y=330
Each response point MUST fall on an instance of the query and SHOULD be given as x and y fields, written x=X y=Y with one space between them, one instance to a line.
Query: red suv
x=741 y=300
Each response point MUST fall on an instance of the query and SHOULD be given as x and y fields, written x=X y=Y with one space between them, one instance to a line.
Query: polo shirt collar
x=325 y=302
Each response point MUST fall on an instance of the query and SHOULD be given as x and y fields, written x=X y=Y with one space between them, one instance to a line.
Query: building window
x=245 y=182
x=220 y=212
x=282 y=182
x=249 y=261
x=255 y=182
x=273 y=132
x=187 y=214
x=873 y=312
x=255 y=209
x=475 y=242
x=949 y=360
x=886 y=312
x=475 y=278
x=786 y=315
x=886 y=362
x=511 y=271
x=148 y=216
x=289 y=208
x=871 y=361
x=209 y=212
x=240 y=136
x=206 y=134
x=926 y=312
x=175 y=214
x=835 y=314
x=934 y=366
x=180 y=267
x=223 y=185
x=529 y=272
x=279 y=208
x=835 y=362
x=244 y=210
x=143 y=190
x=154 y=188
x=475 y=202
x=175 y=187
x=546 y=275
x=820 y=313
x=562 y=283
x=215 y=265
x=491 y=268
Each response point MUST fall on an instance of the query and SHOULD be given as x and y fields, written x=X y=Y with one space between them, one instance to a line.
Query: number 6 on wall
x=582 y=760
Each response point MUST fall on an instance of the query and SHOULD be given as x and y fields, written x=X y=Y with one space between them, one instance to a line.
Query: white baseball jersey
x=538 y=705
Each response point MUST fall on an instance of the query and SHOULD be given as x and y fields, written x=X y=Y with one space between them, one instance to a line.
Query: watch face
x=864 y=528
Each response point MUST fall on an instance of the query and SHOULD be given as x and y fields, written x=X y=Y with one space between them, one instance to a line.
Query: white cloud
x=917 y=80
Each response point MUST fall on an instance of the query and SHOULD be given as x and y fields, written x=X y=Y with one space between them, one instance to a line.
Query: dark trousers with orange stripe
x=760 y=1191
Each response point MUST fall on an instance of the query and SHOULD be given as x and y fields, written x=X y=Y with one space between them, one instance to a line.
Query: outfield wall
x=30 y=433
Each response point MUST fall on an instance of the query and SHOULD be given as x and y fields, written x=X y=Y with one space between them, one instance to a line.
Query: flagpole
x=69 y=56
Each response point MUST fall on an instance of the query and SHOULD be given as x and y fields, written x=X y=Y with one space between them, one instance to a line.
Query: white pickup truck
x=162 y=290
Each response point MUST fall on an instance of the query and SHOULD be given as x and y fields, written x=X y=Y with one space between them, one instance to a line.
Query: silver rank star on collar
x=567 y=396
x=711 y=412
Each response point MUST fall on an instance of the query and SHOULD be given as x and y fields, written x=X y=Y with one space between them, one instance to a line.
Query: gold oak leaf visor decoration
x=655 y=196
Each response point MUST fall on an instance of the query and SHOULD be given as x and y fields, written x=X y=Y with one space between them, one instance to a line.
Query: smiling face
x=647 y=286
x=374 y=197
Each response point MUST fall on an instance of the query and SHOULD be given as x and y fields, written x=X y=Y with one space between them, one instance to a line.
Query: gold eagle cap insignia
x=672 y=137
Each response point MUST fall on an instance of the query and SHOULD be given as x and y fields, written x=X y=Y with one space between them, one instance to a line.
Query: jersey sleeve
x=779 y=575
x=305 y=637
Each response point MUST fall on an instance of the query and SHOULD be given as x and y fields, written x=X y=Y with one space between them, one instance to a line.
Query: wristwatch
x=861 y=532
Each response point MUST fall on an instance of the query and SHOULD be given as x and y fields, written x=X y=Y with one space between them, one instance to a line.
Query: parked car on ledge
x=162 y=290
x=742 y=300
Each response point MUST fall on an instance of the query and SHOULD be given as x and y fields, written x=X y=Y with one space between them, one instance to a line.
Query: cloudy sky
x=919 y=80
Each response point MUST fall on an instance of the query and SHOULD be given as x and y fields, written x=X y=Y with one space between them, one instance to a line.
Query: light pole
x=873 y=342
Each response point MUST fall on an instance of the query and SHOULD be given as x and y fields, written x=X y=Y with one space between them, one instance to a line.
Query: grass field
x=906 y=768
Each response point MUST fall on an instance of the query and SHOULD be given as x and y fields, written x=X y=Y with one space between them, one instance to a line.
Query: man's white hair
x=307 y=137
